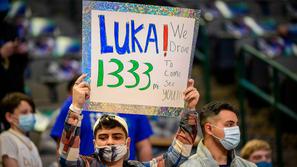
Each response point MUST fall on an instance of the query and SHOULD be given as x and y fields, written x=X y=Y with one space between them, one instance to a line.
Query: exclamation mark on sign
x=165 y=39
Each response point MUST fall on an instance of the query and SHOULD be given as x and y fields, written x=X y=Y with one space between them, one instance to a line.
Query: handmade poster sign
x=137 y=57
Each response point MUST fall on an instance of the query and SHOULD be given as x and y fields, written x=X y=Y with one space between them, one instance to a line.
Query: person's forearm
x=184 y=138
x=9 y=162
x=187 y=132
x=70 y=141
x=183 y=142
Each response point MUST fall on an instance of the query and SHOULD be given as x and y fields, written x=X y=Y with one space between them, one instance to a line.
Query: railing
x=273 y=99
x=206 y=74
x=203 y=56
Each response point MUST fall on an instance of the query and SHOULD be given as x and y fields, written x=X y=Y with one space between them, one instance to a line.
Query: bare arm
x=9 y=162
x=144 y=150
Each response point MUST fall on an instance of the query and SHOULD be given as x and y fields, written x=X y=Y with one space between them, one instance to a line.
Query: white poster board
x=137 y=62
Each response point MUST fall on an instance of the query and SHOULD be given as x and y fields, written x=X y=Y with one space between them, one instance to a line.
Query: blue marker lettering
x=104 y=47
x=125 y=48
x=152 y=28
x=134 y=40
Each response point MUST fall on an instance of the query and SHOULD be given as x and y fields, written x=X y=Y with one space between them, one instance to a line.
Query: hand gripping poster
x=137 y=58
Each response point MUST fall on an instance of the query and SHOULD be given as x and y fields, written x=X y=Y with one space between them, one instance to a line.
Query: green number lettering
x=147 y=72
x=116 y=73
x=100 y=73
x=132 y=71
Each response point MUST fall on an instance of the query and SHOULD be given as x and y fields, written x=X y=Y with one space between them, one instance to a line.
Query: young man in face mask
x=139 y=130
x=219 y=123
x=111 y=131
x=16 y=149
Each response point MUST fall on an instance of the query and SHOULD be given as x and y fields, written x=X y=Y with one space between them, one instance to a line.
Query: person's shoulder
x=68 y=101
x=65 y=106
x=139 y=117
x=193 y=160
x=244 y=163
x=130 y=118
x=5 y=134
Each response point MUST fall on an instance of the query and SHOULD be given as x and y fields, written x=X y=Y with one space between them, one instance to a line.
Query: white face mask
x=231 y=139
x=111 y=153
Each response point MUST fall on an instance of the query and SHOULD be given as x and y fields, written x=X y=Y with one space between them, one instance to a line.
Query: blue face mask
x=26 y=122
x=231 y=139
x=264 y=164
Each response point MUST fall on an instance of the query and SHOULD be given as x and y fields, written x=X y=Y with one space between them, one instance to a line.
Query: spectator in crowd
x=258 y=152
x=13 y=59
x=13 y=62
x=139 y=130
x=16 y=148
x=111 y=135
x=219 y=123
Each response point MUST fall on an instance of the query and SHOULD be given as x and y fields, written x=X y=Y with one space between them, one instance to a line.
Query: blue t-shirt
x=138 y=126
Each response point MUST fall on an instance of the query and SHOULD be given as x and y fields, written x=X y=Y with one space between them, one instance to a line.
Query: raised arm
x=185 y=137
x=70 y=141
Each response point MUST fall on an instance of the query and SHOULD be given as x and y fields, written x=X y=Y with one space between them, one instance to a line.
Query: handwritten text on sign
x=140 y=59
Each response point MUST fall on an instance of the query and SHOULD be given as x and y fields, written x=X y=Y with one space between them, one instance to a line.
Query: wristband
x=75 y=109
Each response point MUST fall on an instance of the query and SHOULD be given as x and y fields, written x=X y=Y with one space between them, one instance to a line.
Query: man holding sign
x=139 y=130
x=110 y=131
x=137 y=59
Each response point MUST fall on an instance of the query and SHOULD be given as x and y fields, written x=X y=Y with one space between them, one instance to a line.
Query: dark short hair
x=107 y=122
x=213 y=109
x=71 y=83
x=10 y=102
